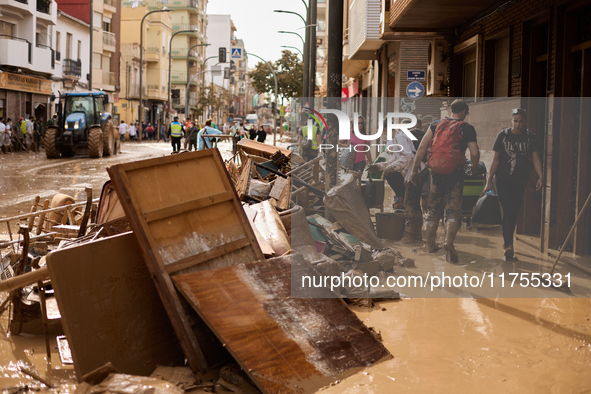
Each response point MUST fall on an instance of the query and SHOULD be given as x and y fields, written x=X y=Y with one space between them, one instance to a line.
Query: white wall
x=80 y=32
x=219 y=33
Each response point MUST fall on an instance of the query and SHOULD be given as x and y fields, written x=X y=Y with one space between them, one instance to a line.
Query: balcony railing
x=73 y=67
x=183 y=52
x=112 y=3
x=108 y=78
x=172 y=3
x=52 y=53
x=29 y=45
x=43 y=6
x=109 y=38
x=153 y=50
x=184 y=26
x=153 y=87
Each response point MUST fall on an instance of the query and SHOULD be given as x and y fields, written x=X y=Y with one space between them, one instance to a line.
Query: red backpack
x=444 y=155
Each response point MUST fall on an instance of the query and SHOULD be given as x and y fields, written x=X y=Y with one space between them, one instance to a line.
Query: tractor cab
x=82 y=123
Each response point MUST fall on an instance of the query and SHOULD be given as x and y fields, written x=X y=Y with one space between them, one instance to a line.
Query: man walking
x=175 y=132
x=446 y=142
x=400 y=165
x=122 y=130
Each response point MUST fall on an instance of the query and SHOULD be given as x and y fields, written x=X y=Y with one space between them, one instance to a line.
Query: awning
x=416 y=16
x=352 y=68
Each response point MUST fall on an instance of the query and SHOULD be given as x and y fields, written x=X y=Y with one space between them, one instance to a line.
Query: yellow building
x=189 y=23
x=156 y=36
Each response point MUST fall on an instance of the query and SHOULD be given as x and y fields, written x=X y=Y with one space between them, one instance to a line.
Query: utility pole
x=334 y=82
x=306 y=52
x=91 y=37
x=313 y=6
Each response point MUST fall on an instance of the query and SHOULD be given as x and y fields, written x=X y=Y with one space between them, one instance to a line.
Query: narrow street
x=439 y=345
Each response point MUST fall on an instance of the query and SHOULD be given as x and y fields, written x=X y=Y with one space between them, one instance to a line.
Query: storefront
x=24 y=96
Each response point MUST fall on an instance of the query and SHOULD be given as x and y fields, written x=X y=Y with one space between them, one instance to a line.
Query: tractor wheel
x=95 y=143
x=49 y=140
x=108 y=139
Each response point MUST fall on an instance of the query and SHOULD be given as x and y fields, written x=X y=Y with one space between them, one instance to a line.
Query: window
x=97 y=20
x=79 y=49
x=321 y=25
x=106 y=26
x=467 y=71
x=68 y=46
x=58 y=38
x=7 y=29
x=496 y=65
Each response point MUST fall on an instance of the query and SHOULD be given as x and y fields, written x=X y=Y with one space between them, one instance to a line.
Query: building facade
x=27 y=59
x=156 y=37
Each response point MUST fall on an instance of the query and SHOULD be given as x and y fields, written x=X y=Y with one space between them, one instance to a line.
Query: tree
x=289 y=70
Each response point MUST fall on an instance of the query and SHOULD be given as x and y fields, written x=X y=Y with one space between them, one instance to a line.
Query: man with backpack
x=445 y=144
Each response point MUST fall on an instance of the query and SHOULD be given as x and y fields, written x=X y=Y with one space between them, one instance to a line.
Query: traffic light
x=222 y=55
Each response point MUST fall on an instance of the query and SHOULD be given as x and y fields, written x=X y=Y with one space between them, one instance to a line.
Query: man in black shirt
x=447 y=190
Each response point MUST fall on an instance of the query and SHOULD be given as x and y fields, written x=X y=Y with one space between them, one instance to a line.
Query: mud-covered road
x=507 y=343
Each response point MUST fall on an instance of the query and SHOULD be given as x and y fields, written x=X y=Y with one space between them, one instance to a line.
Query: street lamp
x=291 y=12
x=275 y=110
x=141 y=109
x=170 y=64
x=306 y=54
x=189 y=82
x=297 y=49
x=187 y=91
x=292 y=32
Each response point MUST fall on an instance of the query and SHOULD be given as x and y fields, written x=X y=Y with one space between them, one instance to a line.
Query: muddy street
x=441 y=342
x=25 y=176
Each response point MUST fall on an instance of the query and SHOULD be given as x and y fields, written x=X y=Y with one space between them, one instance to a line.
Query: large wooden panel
x=185 y=214
x=110 y=308
x=261 y=149
x=286 y=344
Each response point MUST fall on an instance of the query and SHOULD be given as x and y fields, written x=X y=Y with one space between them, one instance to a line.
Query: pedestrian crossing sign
x=236 y=54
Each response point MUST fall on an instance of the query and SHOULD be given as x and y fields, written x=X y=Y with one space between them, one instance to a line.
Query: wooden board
x=110 y=308
x=186 y=217
x=261 y=149
x=286 y=344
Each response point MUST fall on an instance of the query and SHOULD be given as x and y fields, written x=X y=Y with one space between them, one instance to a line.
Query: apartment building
x=187 y=50
x=71 y=43
x=27 y=60
x=157 y=33
x=105 y=45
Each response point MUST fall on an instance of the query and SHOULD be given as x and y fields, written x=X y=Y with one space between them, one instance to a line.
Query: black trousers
x=510 y=196
x=396 y=182
x=176 y=144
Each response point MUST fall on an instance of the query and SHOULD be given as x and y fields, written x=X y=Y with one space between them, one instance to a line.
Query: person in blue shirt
x=207 y=130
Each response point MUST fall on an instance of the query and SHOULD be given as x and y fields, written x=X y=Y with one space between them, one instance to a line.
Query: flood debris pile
x=200 y=291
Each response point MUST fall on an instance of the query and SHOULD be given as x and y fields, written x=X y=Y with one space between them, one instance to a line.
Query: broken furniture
x=285 y=344
x=110 y=309
x=186 y=217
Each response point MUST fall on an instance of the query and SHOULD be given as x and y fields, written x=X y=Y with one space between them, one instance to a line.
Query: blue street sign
x=418 y=76
x=415 y=90
x=236 y=53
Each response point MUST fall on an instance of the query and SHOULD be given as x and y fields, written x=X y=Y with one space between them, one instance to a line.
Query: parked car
x=267 y=127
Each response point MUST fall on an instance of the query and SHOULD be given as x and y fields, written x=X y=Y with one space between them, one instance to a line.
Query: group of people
x=22 y=135
x=193 y=134
x=432 y=169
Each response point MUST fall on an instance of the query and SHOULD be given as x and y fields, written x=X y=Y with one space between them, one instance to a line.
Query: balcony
x=43 y=6
x=15 y=51
x=173 y=4
x=179 y=78
x=109 y=41
x=109 y=79
x=181 y=53
x=46 y=12
x=153 y=54
x=364 y=23
x=110 y=6
x=72 y=68
x=184 y=26
x=44 y=56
